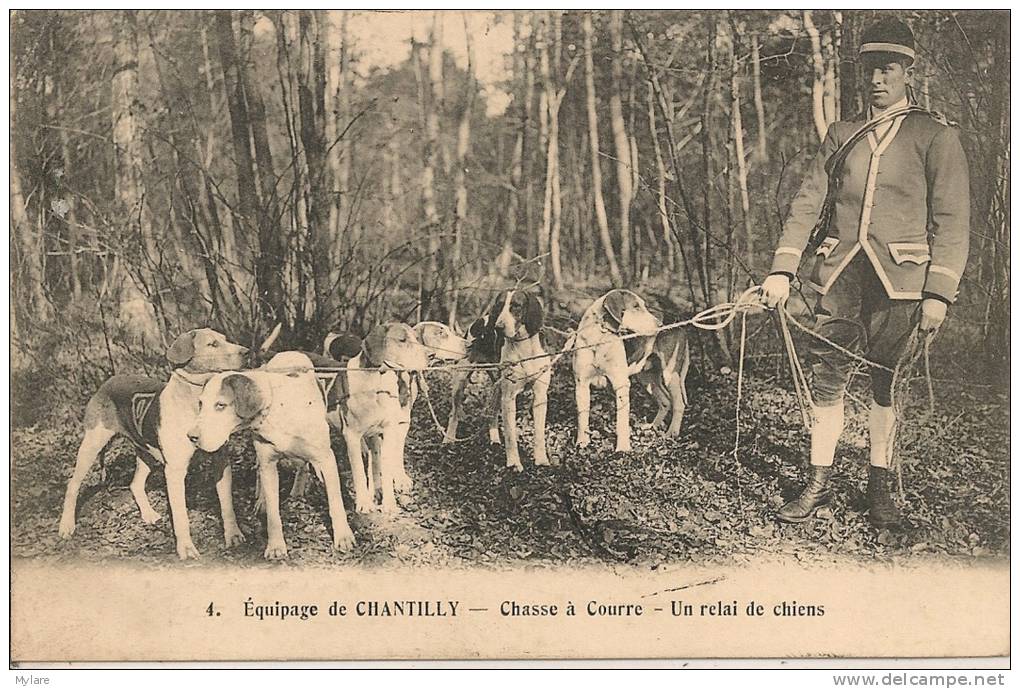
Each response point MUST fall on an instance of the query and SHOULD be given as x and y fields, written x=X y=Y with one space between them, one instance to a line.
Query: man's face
x=888 y=80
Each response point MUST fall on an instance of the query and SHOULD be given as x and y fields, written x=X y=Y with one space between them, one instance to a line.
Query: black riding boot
x=816 y=494
x=882 y=511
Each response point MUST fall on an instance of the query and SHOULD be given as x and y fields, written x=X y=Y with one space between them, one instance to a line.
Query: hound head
x=625 y=312
x=440 y=341
x=394 y=344
x=341 y=346
x=229 y=401
x=206 y=350
x=518 y=315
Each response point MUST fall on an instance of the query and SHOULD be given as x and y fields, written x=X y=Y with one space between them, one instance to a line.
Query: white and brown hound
x=282 y=405
x=440 y=343
x=156 y=417
x=658 y=360
x=511 y=336
x=370 y=404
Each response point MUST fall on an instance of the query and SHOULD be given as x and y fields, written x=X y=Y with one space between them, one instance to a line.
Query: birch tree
x=624 y=166
x=593 y=142
x=460 y=173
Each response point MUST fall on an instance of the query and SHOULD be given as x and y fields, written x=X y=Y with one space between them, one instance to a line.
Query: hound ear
x=421 y=331
x=534 y=314
x=248 y=400
x=183 y=348
x=342 y=346
x=497 y=308
x=613 y=306
x=477 y=328
x=374 y=346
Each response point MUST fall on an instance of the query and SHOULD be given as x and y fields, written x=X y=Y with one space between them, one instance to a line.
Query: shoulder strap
x=835 y=162
x=834 y=168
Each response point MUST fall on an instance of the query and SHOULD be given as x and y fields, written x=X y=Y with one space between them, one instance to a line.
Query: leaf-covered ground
x=686 y=499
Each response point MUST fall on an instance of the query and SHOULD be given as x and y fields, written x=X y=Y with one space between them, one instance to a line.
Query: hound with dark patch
x=510 y=335
x=371 y=407
x=155 y=417
x=657 y=360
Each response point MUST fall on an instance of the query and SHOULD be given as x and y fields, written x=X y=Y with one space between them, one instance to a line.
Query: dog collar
x=198 y=381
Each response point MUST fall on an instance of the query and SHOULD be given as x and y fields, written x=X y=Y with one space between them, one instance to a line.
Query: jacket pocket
x=826 y=247
x=909 y=252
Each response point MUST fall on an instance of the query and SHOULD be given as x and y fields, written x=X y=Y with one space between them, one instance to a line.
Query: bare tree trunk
x=311 y=103
x=593 y=142
x=545 y=140
x=708 y=160
x=738 y=145
x=835 y=71
x=345 y=112
x=660 y=168
x=432 y=144
x=272 y=247
x=829 y=94
x=229 y=255
x=553 y=210
x=759 y=102
x=708 y=186
x=541 y=236
x=249 y=213
x=849 y=77
x=522 y=101
x=463 y=143
x=339 y=153
x=129 y=188
x=623 y=153
x=28 y=241
x=74 y=267
x=635 y=178
x=184 y=219
x=818 y=85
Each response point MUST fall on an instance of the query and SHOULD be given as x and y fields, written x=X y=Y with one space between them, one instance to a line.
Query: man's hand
x=933 y=312
x=775 y=290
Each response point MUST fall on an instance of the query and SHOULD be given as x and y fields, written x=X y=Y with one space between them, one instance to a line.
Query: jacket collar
x=895 y=106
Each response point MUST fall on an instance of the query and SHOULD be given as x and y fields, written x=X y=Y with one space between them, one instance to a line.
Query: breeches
x=858 y=315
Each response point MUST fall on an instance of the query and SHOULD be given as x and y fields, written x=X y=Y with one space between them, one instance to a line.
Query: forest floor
x=671 y=500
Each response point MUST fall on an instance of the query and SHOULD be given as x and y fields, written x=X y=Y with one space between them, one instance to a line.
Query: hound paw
x=276 y=551
x=402 y=483
x=187 y=551
x=541 y=460
x=623 y=447
x=516 y=466
x=363 y=505
x=584 y=441
x=150 y=516
x=343 y=540
x=494 y=437
x=66 y=528
x=233 y=537
x=389 y=507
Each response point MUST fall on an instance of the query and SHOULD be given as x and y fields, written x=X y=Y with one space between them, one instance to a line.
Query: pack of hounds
x=365 y=389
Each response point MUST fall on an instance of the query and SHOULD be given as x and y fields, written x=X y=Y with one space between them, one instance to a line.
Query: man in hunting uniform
x=885 y=209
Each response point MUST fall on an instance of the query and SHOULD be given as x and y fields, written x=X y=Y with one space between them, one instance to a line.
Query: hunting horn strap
x=834 y=166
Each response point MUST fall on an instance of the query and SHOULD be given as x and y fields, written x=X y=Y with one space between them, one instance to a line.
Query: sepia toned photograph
x=502 y=335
